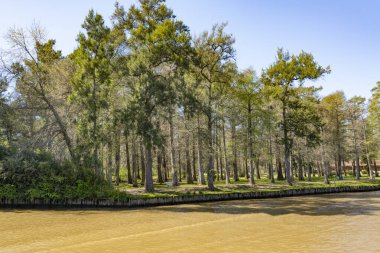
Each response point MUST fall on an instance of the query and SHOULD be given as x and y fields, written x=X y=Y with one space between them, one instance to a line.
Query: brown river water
x=345 y=222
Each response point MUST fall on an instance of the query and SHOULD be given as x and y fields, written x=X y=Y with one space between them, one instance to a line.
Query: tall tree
x=35 y=66
x=285 y=75
x=216 y=67
x=355 y=108
x=335 y=118
x=248 y=90
x=92 y=83
x=155 y=39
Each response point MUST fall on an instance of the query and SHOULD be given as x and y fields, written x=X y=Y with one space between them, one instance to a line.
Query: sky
x=342 y=34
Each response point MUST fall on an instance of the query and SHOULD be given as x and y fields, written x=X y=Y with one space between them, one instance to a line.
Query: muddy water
x=328 y=223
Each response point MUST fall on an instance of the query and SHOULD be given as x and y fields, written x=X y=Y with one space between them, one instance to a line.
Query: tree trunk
x=109 y=162
x=286 y=144
x=117 y=157
x=280 y=176
x=165 y=165
x=159 y=167
x=134 y=163
x=128 y=161
x=194 y=158
x=227 y=171
x=300 y=169
x=250 y=146
x=210 y=165
x=357 y=164
x=172 y=148
x=189 y=176
x=148 y=170
x=179 y=166
x=258 y=176
x=201 y=176
x=143 y=163
x=309 y=172
x=233 y=135
x=62 y=128
x=340 y=177
x=375 y=167
x=325 y=168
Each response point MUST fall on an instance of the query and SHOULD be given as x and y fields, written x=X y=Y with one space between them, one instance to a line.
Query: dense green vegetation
x=142 y=103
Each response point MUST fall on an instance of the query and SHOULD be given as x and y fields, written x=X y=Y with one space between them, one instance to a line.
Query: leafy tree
x=156 y=39
x=374 y=117
x=285 y=76
x=216 y=68
x=32 y=64
x=355 y=108
x=91 y=83
x=335 y=125
x=248 y=91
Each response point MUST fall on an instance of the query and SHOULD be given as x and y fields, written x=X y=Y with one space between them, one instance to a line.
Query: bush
x=36 y=175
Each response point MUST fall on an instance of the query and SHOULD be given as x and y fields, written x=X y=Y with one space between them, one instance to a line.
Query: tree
x=248 y=90
x=156 y=39
x=355 y=108
x=34 y=72
x=91 y=84
x=335 y=125
x=374 y=119
x=285 y=75
x=216 y=68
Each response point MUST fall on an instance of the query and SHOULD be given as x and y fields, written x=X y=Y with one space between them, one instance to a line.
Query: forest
x=143 y=103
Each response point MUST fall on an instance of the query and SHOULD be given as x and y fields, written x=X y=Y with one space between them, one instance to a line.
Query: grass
x=241 y=186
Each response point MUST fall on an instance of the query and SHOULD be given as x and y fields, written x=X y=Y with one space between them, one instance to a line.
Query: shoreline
x=176 y=200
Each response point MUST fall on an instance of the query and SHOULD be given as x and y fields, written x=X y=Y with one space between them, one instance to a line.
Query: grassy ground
x=165 y=190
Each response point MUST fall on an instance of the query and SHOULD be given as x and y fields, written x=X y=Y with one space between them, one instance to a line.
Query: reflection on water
x=329 y=223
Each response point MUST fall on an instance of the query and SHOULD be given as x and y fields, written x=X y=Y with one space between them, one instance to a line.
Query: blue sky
x=341 y=33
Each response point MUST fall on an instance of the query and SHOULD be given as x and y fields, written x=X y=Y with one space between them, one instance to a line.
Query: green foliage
x=92 y=82
x=26 y=174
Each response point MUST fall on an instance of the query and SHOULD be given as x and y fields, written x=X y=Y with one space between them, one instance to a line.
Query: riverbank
x=184 y=197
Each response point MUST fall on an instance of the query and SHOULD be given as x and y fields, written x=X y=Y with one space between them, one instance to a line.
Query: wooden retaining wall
x=197 y=198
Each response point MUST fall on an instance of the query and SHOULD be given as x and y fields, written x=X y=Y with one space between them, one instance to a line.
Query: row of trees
x=145 y=96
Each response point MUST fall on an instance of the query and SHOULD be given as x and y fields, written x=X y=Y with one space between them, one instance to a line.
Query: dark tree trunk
x=309 y=172
x=148 y=170
x=234 y=164
x=179 y=166
x=143 y=163
x=210 y=165
x=109 y=162
x=127 y=155
x=134 y=163
x=159 y=167
x=340 y=176
x=357 y=163
x=300 y=169
x=280 y=176
x=117 y=157
x=165 y=165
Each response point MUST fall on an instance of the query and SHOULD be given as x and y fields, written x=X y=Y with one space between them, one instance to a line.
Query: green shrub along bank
x=30 y=175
